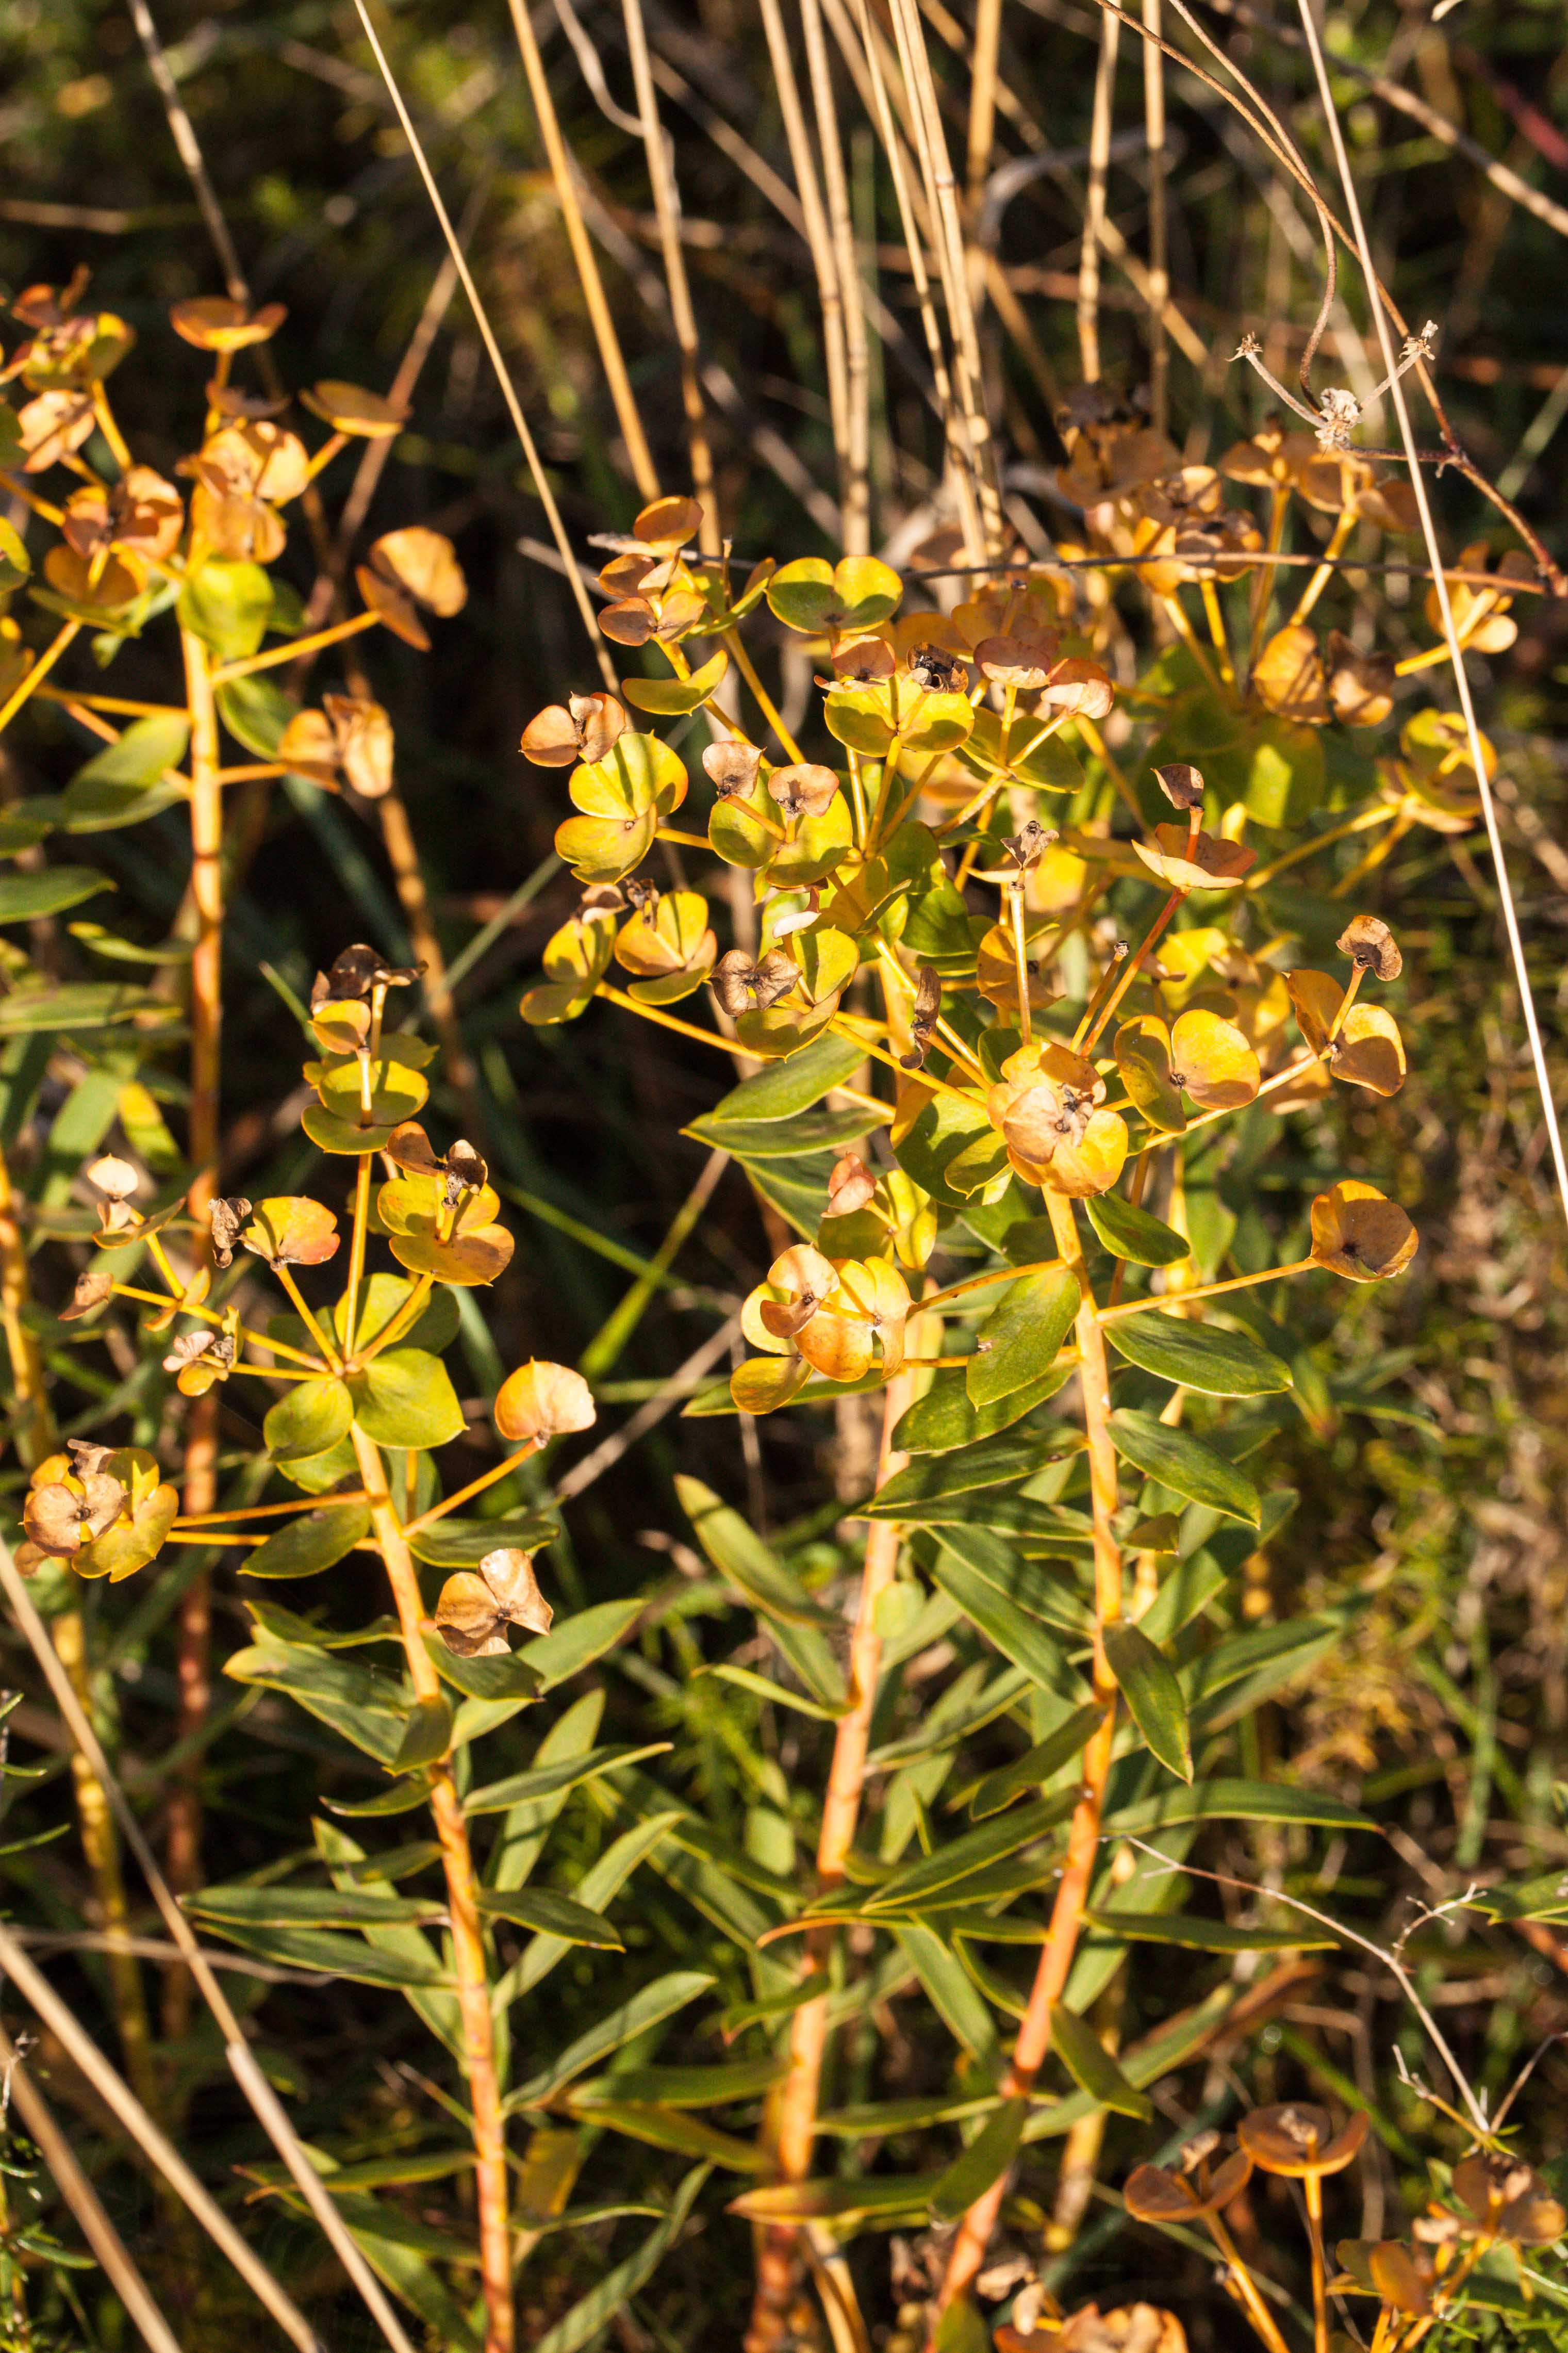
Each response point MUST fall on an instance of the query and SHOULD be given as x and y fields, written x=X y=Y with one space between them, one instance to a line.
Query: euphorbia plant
x=956 y=950
x=361 y=1404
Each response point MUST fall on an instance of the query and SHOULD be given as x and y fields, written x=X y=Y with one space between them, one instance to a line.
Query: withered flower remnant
x=63 y=1514
x=198 y=1359
x=354 y=972
x=1029 y=844
x=585 y=727
x=1371 y=946
x=228 y=1219
x=214 y=324
x=924 y=1016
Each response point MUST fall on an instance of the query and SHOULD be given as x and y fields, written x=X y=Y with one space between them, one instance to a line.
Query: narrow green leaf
x=985 y=2161
x=653 y=2004
x=1198 y=1355
x=463 y=1544
x=581 y=1639
x=1091 y=2066
x=1177 y=1460
x=1149 y=1685
x=786 y=1139
x=555 y=1780
x=322 y=1953
x=671 y=2128
x=686 y=2087
x=1132 y=1233
x=962 y=1857
x=599 y=1885
x=741 y=1556
x=25 y=897
x=498 y=1678
x=426 y=1736
x=846 y=2203
x=995 y=1462
x=951 y=1990
x=551 y=1914
x=1234 y=1801
x=309 y=1907
x=1018 y=1341
x=1037 y=1766
x=593 y=2313
x=945 y=1418
x=779 y=1694
x=1193 y=1935
x=315 y=1541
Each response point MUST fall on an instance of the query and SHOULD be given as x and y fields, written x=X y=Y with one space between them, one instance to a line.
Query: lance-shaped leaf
x=1233 y=1802
x=985 y=2161
x=648 y=2008
x=550 y=1914
x=1194 y=1936
x=310 y=1907
x=746 y=1562
x=426 y=1736
x=1179 y=1460
x=1037 y=1765
x=1149 y=1685
x=1091 y=2066
x=1018 y=1341
x=1198 y=1355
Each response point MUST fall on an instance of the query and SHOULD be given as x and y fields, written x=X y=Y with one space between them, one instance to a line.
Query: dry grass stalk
x=562 y=171
x=855 y=463
x=818 y=234
x=84 y=2203
x=666 y=211
x=1094 y=206
x=57 y=2015
x=1159 y=224
x=263 y=2099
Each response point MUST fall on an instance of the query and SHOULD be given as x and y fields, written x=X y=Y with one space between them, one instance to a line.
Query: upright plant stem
x=968 y=2251
x=611 y=357
x=778 y=2261
x=193 y=1665
x=1094 y=210
x=467 y=1936
x=666 y=211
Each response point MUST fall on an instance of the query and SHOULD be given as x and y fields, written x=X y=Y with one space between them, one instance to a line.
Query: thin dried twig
x=1159 y=224
x=488 y=337
x=237 y=2051
x=1445 y=607
x=680 y=1384
x=83 y=2201
x=117 y=2094
x=190 y=153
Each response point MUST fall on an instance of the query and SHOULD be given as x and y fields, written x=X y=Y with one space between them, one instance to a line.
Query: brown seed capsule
x=1156 y=2193
x=355 y=973
x=803 y=789
x=584 y=728
x=63 y=1515
x=739 y=983
x=1182 y=783
x=935 y=671
x=1509 y=2198
x=1371 y=946
x=732 y=766
x=474 y=1611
